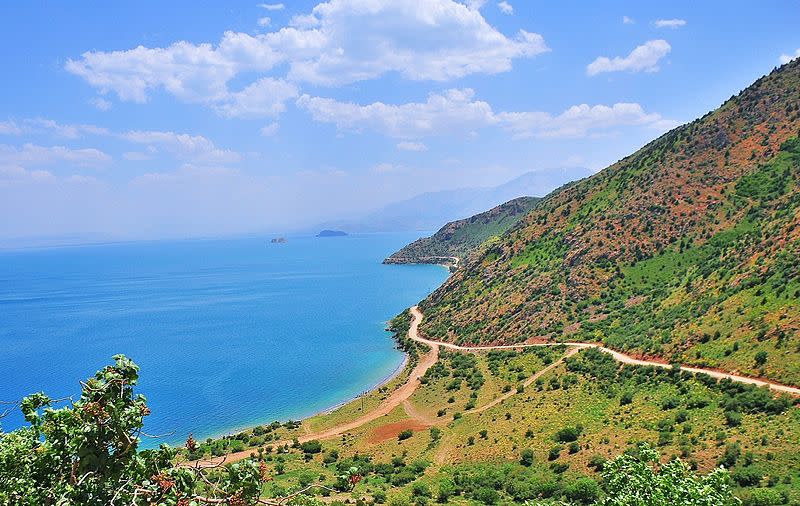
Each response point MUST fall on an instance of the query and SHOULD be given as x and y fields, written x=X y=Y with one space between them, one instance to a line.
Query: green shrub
x=527 y=457
x=583 y=491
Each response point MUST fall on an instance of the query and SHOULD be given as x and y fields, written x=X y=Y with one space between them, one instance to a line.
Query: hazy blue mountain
x=431 y=210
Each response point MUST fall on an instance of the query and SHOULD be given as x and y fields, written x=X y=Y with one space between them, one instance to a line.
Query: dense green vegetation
x=86 y=453
x=460 y=238
x=689 y=249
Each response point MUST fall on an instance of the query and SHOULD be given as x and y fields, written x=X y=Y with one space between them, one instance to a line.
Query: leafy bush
x=583 y=491
x=631 y=481
x=568 y=434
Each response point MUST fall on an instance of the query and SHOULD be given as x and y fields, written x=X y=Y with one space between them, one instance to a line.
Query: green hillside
x=688 y=249
x=458 y=239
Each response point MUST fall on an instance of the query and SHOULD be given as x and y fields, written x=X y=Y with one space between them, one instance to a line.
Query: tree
x=761 y=358
x=86 y=452
x=527 y=458
x=632 y=481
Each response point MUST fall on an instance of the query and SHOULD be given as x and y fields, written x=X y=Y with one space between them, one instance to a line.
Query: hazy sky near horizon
x=171 y=119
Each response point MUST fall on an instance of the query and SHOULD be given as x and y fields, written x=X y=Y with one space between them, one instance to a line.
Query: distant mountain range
x=431 y=210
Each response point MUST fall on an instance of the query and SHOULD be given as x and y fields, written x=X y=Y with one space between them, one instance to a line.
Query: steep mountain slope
x=458 y=239
x=689 y=249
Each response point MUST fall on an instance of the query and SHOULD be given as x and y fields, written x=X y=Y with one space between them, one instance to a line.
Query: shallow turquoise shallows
x=228 y=333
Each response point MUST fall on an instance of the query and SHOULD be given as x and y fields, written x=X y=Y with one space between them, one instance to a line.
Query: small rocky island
x=331 y=233
x=278 y=240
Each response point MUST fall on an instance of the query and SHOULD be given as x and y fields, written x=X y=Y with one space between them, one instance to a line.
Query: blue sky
x=172 y=119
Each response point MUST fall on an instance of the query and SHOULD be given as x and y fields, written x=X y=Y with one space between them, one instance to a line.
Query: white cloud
x=582 y=120
x=11 y=174
x=385 y=168
x=184 y=146
x=10 y=128
x=269 y=130
x=627 y=21
x=42 y=125
x=783 y=59
x=265 y=21
x=669 y=23
x=263 y=98
x=411 y=146
x=136 y=156
x=475 y=4
x=436 y=40
x=69 y=131
x=272 y=7
x=505 y=7
x=32 y=154
x=642 y=58
x=100 y=103
x=456 y=112
x=339 y=42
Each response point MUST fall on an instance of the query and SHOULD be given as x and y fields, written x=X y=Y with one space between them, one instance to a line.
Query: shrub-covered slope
x=687 y=249
x=459 y=238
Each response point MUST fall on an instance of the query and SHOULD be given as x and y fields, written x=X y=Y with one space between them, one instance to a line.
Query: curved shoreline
x=386 y=379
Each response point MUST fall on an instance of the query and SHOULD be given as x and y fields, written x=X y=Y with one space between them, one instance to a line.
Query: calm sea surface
x=228 y=333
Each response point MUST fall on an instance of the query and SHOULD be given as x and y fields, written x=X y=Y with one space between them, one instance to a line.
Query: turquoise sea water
x=228 y=333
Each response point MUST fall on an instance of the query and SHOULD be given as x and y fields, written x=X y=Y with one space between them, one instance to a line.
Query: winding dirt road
x=403 y=393
x=618 y=356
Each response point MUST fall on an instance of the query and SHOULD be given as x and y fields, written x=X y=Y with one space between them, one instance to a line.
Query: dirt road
x=404 y=392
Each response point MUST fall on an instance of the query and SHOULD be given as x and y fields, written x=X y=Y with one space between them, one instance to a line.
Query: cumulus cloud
x=475 y=4
x=100 y=103
x=42 y=125
x=264 y=98
x=10 y=128
x=411 y=146
x=642 y=58
x=338 y=42
x=505 y=7
x=33 y=154
x=627 y=21
x=783 y=59
x=13 y=174
x=452 y=111
x=582 y=120
x=457 y=112
x=669 y=23
x=183 y=146
x=269 y=130
x=265 y=21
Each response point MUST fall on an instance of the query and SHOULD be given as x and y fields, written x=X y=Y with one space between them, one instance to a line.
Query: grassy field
x=582 y=411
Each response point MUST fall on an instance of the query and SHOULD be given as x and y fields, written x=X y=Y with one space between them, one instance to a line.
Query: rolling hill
x=457 y=239
x=688 y=249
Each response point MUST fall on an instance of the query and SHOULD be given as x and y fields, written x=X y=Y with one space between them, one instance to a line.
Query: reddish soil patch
x=391 y=430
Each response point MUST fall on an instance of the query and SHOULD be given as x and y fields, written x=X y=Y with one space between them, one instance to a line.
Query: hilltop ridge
x=457 y=239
